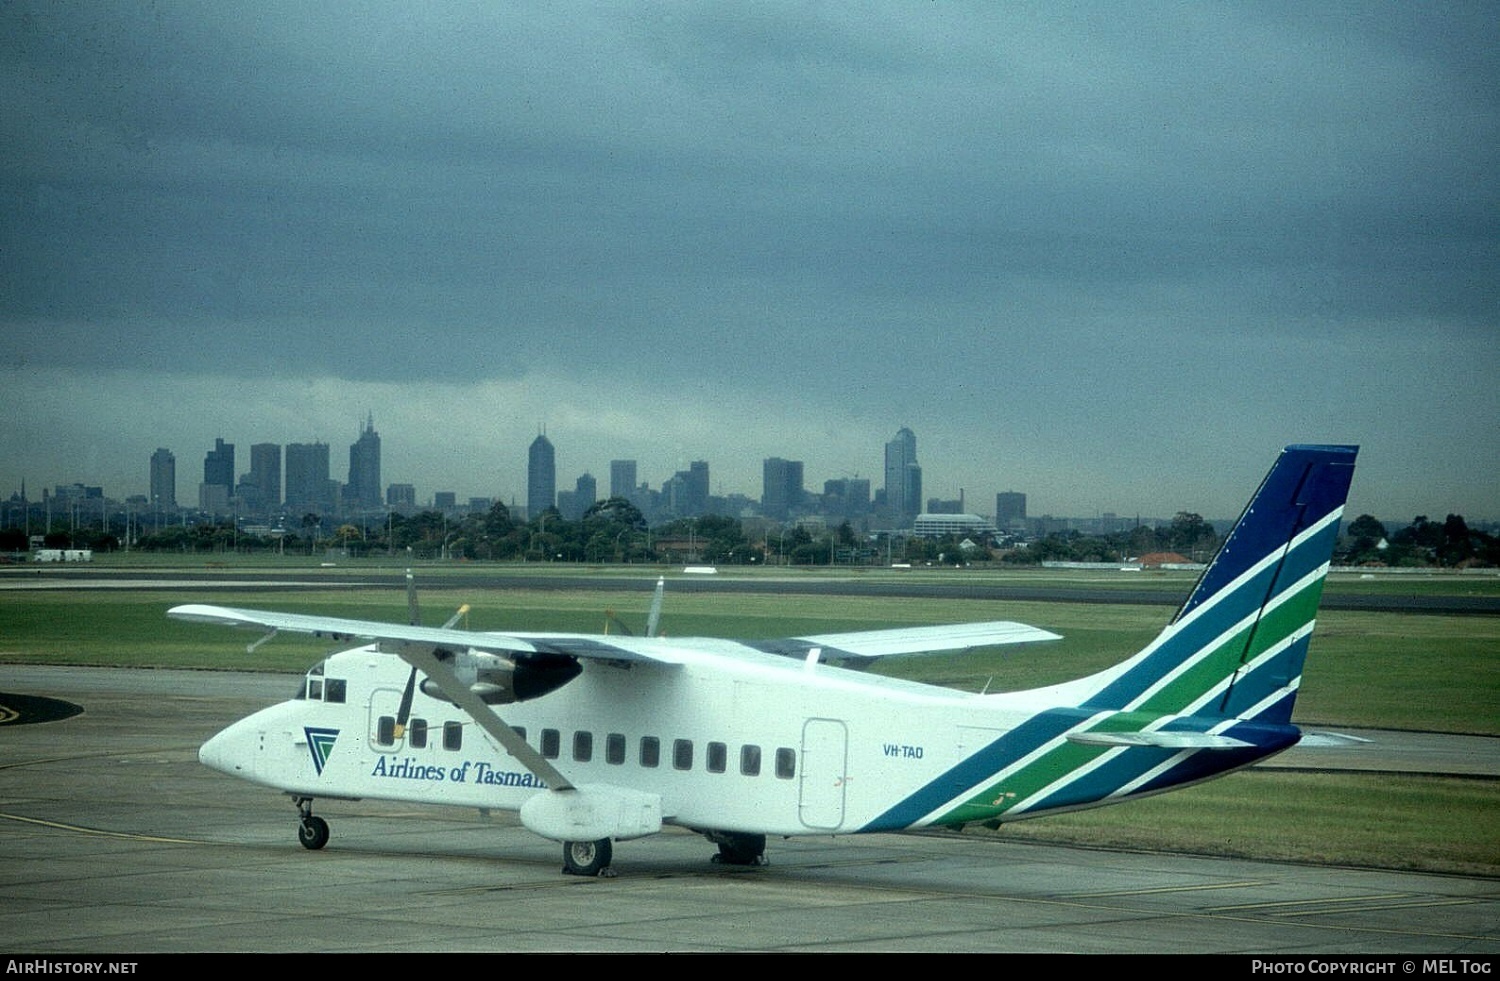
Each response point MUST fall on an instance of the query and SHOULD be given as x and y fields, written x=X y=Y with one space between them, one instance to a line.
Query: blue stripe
x=1244 y=602
x=978 y=768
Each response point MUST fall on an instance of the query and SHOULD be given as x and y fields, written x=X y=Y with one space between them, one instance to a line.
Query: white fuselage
x=754 y=743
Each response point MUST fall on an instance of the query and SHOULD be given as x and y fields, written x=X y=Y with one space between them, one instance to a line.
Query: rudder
x=1236 y=647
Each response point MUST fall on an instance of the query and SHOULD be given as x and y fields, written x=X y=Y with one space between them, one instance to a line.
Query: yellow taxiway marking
x=58 y=825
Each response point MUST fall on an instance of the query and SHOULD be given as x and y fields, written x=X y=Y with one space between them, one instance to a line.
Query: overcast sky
x=1112 y=255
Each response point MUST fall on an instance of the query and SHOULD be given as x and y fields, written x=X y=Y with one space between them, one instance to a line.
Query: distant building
x=622 y=479
x=445 y=500
x=401 y=497
x=1010 y=510
x=164 y=480
x=541 y=477
x=903 y=478
x=847 y=497
x=575 y=503
x=265 y=473
x=308 y=487
x=781 y=487
x=363 y=491
x=218 y=478
x=939 y=525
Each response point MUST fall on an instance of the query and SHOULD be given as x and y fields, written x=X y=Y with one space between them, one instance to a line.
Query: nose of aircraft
x=225 y=752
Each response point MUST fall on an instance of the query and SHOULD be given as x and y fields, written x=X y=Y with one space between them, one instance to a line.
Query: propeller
x=403 y=712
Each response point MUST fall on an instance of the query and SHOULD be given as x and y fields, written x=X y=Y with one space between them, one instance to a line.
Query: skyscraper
x=782 y=486
x=265 y=473
x=903 y=478
x=164 y=479
x=218 y=465
x=622 y=479
x=308 y=487
x=541 y=477
x=364 y=469
x=218 y=478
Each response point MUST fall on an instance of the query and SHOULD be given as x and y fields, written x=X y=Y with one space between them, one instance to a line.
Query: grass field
x=1390 y=670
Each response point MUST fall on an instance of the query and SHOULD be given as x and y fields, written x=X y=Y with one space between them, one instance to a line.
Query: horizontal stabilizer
x=1158 y=739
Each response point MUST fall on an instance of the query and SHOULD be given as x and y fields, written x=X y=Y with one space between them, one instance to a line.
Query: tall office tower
x=364 y=468
x=1010 y=509
x=697 y=487
x=541 y=477
x=903 y=477
x=163 y=479
x=218 y=465
x=782 y=486
x=218 y=478
x=622 y=479
x=265 y=473
x=308 y=487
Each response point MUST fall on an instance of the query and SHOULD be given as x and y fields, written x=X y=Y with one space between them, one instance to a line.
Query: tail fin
x=1236 y=647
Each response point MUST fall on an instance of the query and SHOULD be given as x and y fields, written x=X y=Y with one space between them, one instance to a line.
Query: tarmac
x=113 y=838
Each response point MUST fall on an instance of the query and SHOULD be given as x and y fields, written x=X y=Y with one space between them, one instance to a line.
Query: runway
x=114 y=839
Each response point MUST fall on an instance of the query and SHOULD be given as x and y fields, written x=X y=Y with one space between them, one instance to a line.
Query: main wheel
x=587 y=857
x=735 y=849
x=313 y=832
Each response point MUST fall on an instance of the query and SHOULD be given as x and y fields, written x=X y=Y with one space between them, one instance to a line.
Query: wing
x=581 y=646
x=861 y=648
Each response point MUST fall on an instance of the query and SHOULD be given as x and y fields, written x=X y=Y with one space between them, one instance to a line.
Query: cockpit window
x=312 y=686
x=334 y=689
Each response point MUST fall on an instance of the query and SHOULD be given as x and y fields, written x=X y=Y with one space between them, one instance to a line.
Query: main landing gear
x=738 y=849
x=590 y=858
x=312 y=831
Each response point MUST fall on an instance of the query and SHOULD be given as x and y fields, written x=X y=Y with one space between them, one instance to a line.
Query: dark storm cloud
x=862 y=206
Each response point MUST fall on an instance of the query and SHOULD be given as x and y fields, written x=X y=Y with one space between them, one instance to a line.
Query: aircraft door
x=383 y=734
x=823 y=774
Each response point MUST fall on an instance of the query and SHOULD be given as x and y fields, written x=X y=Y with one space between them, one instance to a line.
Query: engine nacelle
x=502 y=679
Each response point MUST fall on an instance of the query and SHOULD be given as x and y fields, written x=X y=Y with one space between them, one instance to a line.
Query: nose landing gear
x=312 y=831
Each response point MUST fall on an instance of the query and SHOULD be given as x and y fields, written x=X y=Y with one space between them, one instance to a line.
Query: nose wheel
x=312 y=831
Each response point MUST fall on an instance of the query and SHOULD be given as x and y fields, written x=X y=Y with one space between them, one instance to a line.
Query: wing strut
x=426 y=659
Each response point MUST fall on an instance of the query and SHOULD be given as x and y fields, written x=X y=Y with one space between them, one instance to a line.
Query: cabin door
x=823 y=773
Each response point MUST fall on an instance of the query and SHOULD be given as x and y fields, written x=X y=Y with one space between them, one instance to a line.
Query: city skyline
x=1115 y=262
x=313 y=485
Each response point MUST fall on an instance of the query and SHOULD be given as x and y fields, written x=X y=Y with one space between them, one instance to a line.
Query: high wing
x=581 y=646
x=856 y=647
x=861 y=648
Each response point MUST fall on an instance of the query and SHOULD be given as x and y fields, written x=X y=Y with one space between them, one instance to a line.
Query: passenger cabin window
x=682 y=754
x=385 y=730
x=551 y=743
x=786 y=763
x=416 y=733
x=614 y=748
x=718 y=754
x=453 y=735
x=583 y=746
x=650 y=751
x=750 y=761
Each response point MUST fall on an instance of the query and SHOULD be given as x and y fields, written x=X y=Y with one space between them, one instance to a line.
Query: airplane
x=608 y=738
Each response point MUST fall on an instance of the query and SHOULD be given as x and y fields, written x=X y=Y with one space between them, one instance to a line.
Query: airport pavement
x=114 y=839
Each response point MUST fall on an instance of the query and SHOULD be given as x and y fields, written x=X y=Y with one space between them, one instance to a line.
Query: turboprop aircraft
x=608 y=738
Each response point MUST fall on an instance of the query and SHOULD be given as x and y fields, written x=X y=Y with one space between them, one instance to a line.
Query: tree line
x=614 y=531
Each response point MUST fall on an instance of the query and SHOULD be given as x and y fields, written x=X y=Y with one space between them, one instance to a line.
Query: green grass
x=1433 y=824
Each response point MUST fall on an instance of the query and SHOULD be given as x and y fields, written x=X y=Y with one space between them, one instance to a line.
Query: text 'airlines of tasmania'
x=607 y=738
